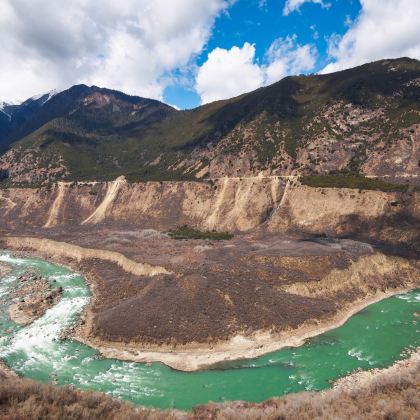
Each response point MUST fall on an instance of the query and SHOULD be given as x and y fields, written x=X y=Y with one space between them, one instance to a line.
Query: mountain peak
x=44 y=97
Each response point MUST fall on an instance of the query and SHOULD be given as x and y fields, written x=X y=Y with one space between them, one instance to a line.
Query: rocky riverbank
x=33 y=299
x=376 y=394
x=196 y=356
x=4 y=269
x=6 y=372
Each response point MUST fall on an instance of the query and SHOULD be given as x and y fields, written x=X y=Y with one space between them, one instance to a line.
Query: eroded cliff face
x=235 y=204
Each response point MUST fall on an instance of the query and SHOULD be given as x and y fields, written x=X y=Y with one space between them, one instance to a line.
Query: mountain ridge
x=359 y=121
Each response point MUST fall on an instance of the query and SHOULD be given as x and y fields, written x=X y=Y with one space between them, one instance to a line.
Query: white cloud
x=286 y=56
x=130 y=45
x=228 y=73
x=262 y=4
x=315 y=33
x=295 y=5
x=384 y=29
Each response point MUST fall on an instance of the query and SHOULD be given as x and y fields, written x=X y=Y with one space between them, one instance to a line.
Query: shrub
x=186 y=232
x=351 y=181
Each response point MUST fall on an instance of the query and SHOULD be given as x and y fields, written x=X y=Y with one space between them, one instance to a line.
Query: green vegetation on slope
x=351 y=181
x=187 y=232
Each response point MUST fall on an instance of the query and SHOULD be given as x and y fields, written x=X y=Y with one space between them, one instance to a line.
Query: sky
x=191 y=52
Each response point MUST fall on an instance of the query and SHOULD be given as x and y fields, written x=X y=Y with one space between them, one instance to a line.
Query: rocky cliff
x=235 y=204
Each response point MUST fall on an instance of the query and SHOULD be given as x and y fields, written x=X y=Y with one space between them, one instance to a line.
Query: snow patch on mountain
x=43 y=97
x=3 y=105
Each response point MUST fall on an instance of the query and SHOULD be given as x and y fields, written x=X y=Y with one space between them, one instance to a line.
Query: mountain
x=13 y=117
x=4 y=127
x=74 y=127
x=361 y=121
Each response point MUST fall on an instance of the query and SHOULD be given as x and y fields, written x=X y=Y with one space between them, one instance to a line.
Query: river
x=376 y=337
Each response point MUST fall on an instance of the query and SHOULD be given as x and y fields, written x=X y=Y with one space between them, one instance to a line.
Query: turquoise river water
x=374 y=338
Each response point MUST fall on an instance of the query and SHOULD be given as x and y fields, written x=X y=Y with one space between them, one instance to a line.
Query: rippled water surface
x=375 y=337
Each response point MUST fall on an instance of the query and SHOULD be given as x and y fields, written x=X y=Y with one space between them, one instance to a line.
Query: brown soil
x=227 y=204
x=194 y=356
x=5 y=371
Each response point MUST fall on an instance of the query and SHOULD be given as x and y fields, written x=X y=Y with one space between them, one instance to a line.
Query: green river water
x=374 y=338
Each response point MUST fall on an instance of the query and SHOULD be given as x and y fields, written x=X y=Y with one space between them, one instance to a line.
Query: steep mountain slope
x=364 y=120
x=81 y=128
x=4 y=128
x=357 y=120
x=15 y=117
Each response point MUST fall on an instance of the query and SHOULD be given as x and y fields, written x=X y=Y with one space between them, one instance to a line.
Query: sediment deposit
x=32 y=299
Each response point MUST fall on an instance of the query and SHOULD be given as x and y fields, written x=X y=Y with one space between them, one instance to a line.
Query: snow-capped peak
x=44 y=96
x=7 y=108
x=3 y=105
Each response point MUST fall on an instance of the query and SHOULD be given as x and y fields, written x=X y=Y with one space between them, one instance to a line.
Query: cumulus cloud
x=262 y=4
x=384 y=29
x=295 y=5
x=286 y=56
x=228 y=73
x=131 y=45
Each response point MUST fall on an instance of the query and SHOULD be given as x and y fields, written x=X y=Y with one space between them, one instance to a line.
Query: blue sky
x=248 y=21
x=260 y=23
x=191 y=52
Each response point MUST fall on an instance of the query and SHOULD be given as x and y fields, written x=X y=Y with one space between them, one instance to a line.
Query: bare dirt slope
x=235 y=204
